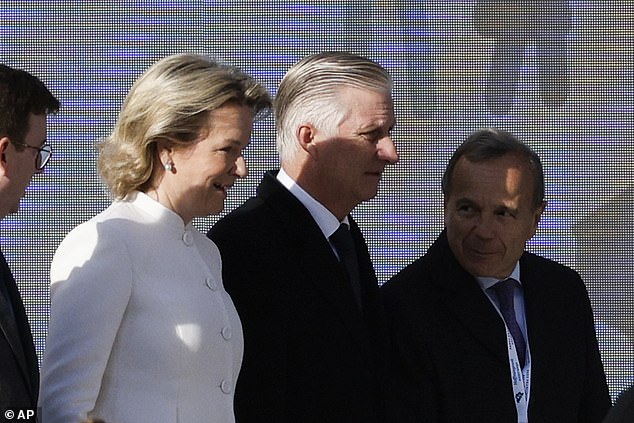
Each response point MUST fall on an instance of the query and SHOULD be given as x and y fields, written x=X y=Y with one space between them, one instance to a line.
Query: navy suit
x=19 y=373
x=310 y=354
x=452 y=361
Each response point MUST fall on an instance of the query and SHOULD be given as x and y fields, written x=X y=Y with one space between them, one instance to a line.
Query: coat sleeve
x=596 y=397
x=261 y=386
x=411 y=396
x=91 y=283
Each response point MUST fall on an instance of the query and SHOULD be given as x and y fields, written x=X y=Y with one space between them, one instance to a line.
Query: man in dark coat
x=294 y=261
x=483 y=330
x=24 y=105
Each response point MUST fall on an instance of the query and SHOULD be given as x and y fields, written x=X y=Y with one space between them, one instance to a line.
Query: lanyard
x=520 y=379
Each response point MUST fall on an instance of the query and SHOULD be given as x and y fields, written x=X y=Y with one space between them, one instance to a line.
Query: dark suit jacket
x=623 y=411
x=19 y=373
x=310 y=355
x=452 y=355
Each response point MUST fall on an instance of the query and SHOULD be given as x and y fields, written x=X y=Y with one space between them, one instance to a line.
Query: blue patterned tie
x=504 y=291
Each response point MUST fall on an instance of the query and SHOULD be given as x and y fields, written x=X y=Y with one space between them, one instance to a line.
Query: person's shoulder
x=411 y=273
x=245 y=218
x=88 y=229
x=548 y=266
x=255 y=212
x=554 y=278
x=417 y=276
x=94 y=243
x=105 y=224
x=412 y=282
x=623 y=410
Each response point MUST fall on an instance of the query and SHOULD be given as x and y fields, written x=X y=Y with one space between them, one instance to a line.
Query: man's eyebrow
x=464 y=200
x=236 y=141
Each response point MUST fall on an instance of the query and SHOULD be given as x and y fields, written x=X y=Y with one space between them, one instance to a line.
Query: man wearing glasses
x=24 y=105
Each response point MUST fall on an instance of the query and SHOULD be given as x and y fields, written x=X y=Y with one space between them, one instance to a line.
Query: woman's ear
x=164 y=153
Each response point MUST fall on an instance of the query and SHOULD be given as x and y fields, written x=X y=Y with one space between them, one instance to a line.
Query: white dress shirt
x=518 y=299
x=327 y=222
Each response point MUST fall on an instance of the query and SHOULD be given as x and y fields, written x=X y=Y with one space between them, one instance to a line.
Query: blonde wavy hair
x=170 y=103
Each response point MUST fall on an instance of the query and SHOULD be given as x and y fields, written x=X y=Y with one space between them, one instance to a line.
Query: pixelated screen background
x=558 y=74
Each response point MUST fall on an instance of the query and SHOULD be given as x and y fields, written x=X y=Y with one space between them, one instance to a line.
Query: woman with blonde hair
x=141 y=327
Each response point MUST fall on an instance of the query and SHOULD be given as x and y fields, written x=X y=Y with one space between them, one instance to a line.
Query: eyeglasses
x=43 y=154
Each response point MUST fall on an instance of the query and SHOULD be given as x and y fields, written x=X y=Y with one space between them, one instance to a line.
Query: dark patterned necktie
x=344 y=244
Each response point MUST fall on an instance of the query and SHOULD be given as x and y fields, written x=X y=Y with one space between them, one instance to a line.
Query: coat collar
x=314 y=254
x=465 y=299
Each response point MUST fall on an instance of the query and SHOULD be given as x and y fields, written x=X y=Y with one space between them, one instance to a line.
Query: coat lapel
x=9 y=309
x=314 y=255
x=369 y=282
x=540 y=321
x=465 y=300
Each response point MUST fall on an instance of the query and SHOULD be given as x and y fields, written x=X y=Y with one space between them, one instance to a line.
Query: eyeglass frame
x=45 y=151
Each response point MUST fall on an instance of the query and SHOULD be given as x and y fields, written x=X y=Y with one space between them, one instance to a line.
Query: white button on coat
x=226 y=332
x=211 y=284
x=188 y=238
x=226 y=387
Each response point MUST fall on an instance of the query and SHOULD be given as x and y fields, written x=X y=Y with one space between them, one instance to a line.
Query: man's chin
x=479 y=270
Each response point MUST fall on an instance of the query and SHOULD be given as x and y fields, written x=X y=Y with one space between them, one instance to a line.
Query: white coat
x=141 y=327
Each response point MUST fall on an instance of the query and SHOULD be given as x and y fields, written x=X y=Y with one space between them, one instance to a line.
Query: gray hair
x=309 y=93
x=491 y=143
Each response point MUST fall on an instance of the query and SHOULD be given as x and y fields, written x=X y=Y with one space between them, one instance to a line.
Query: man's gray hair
x=309 y=94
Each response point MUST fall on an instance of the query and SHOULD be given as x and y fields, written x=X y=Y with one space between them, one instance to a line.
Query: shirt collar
x=486 y=283
x=327 y=222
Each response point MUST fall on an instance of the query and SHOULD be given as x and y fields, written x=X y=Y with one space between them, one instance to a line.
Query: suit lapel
x=539 y=319
x=372 y=307
x=314 y=255
x=9 y=310
x=466 y=301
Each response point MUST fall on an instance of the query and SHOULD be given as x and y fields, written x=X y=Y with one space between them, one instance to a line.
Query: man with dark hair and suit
x=294 y=261
x=483 y=330
x=24 y=104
